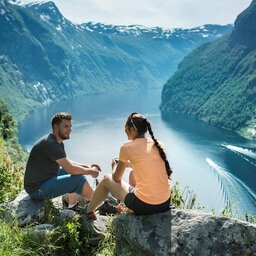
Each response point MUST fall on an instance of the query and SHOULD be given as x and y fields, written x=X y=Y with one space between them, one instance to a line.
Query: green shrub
x=11 y=180
x=12 y=157
x=250 y=218
x=183 y=199
x=70 y=236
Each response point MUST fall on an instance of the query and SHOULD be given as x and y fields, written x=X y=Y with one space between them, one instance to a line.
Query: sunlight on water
x=98 y=133
x=234 y=190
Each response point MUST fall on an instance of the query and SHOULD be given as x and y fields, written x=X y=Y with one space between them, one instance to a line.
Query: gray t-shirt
x=42 y=164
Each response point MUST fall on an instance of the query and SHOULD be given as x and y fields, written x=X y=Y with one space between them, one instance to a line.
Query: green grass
x=108 y=244
x=69 y=238
x=17 y=241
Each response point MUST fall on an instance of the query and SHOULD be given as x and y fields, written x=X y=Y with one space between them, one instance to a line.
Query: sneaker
x=76 y=208
x=107 y=208
x=64 y=204
x=121 y=208
x=90 y=215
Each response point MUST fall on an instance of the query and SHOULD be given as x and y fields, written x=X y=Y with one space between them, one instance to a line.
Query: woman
x=149 y=188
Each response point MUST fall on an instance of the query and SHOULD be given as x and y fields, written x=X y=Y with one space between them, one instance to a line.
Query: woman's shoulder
x=151 y=140
x=131 y=143
x=159 y=142
x=127 y=143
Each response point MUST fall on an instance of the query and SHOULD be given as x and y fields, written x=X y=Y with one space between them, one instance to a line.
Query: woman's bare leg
x=119 y=189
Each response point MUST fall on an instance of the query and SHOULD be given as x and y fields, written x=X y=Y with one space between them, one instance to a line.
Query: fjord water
x=218 y=165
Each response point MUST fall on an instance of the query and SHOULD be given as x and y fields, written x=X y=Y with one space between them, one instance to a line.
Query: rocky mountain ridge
x=45 y=58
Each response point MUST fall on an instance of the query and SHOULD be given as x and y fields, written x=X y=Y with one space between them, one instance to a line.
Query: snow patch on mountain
x=45 y=17
x=2 y=12
x=205 y=31
x=59 y=28
x=26 y=2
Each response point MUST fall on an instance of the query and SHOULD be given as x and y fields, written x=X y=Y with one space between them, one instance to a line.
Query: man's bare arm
x=76 y=169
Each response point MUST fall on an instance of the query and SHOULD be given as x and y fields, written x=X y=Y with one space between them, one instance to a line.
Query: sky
x=152 y=13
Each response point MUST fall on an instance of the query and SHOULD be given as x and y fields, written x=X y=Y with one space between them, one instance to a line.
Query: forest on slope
x=217 y=81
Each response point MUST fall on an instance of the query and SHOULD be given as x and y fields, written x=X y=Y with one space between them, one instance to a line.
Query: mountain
x=45 y=58
x=217 y=81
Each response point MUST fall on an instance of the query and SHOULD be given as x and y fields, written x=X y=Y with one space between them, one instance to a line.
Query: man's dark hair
x=58 y=117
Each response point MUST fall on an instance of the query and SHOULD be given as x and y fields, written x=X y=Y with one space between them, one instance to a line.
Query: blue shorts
x=141 y=208
x=60 y=185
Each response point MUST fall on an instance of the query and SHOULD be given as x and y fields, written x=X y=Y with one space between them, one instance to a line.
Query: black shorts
x=141 y=208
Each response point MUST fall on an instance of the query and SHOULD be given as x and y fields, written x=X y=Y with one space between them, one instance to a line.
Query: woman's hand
x=114 y=163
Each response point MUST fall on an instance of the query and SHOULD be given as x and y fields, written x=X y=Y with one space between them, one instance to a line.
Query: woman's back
x=152 y=185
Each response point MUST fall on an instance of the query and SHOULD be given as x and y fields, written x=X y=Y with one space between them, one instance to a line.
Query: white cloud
x=165 y=13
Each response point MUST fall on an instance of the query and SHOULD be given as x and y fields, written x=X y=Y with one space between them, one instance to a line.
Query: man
x=43 y=176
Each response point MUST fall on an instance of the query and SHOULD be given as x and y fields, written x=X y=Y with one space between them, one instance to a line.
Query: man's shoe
x=64 y=204
x=76 y=208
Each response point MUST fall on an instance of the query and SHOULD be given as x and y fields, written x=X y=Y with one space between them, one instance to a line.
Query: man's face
x=64 y=129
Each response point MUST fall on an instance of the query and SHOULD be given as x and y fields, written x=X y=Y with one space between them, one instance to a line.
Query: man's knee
x=78 y=182
x=79 y=178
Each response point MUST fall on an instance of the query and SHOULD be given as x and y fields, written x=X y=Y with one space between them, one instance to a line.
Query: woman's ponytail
x=160 y=149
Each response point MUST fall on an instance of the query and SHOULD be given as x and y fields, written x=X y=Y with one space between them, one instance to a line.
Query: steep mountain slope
x=44 y=57
x=217 y=81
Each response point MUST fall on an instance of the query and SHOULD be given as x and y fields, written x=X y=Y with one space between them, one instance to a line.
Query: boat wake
x=242 y=152
x=234 y=190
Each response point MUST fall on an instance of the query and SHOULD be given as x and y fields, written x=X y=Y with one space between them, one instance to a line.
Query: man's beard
x=64 y=136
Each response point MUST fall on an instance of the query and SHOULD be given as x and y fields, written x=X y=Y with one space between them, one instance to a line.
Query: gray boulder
x=183 y=232
x=24 y=209
x=34 y=213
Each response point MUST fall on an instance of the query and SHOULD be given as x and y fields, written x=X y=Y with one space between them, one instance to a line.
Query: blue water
x=98 y=132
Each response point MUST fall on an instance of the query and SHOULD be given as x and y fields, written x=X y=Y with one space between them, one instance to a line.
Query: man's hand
x=77 y=169
x=97 y=166
x=94 y=172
